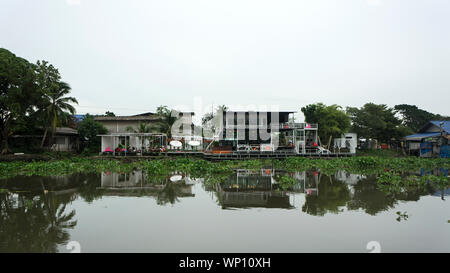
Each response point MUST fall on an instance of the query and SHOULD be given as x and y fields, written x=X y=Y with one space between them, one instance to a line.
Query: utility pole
x=441 y=139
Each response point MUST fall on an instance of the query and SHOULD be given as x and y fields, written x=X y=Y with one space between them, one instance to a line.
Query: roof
x=61 y=131
x=421 y=136
x=65 y=131
x=145 y=114
x=445 y=125
x=132 y=134
x=127 y=118
x=436 y=123
x=79 y=117
x=281 y=112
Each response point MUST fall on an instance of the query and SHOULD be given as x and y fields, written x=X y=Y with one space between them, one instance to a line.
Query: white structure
x=346 y=141
x=117 y=180
x=120 y=124
x=141 y=142
x=188 y=143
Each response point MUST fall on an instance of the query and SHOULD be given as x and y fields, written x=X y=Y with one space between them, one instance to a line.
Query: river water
x=249 y=211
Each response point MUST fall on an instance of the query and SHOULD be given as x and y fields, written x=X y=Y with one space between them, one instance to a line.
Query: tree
x=168 y=118
x=54 y=108
x=416 y=118
x=57 y=105
x=40 y=223
x=18 y=93
x=109 y=114
x=333 y=195
x=332 y=120
x=376 y=121
x=89 y=129
x=210 y=121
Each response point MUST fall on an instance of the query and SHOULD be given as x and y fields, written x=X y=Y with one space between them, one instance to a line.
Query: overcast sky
x=131 y=56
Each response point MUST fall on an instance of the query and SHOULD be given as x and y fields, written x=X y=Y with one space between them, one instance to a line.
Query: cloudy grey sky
x=131 y=56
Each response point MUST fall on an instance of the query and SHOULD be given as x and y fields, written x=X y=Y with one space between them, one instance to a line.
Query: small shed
x=432 y=140
x=65 y=139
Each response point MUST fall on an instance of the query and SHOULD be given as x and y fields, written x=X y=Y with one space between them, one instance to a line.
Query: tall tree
x=168 y=118
x=89 y=129
x=376 y=121
x=332 y=120
x=47 y=78
x=57 y=105
x=17 y=93
x=416 y=118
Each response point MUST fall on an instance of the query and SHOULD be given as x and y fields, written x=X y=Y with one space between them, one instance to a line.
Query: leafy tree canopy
x=88 y=129
x=376 y=121
x=18 y=95
x=332 y=119
x=415 y=118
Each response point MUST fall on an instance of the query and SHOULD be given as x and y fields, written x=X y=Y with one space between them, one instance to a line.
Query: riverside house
x=430 y=141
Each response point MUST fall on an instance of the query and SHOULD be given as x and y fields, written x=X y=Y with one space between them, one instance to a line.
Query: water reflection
x=35 y=221
x=137 y=183
x=36 y=213
x=263 y=188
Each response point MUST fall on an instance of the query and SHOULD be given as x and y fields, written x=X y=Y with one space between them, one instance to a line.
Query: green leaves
x=332 y=120
x=376 y=121
x=88 y=130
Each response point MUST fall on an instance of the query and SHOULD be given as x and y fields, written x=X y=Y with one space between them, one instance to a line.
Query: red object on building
x=315 y=144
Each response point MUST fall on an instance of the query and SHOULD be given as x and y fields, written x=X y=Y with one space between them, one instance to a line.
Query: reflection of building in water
x=191 y=181
x=112 y=179
x=349 y=178
x=308 y=182
x=255 y=199
x=247 y=188
x=136 y=184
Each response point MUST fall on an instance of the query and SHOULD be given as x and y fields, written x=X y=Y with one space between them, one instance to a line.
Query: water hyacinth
x=390 y=171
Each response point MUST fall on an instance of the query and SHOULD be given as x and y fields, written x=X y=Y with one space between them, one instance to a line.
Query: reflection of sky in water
x=247 y=212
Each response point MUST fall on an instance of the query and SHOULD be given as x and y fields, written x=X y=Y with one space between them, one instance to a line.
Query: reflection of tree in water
x=332 y=195
x=368 y=197
x=88 y=187
x=30 y=223
x=169 y=193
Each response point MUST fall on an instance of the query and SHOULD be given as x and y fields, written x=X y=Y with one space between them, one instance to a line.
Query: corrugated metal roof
x=138 y=118
x=421 y=136
x=445 y=126
x=66 y=131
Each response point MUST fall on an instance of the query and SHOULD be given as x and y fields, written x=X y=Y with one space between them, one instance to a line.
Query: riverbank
x=161 y=166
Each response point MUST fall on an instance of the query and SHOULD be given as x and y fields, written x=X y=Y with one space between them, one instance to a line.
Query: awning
x=419 y=137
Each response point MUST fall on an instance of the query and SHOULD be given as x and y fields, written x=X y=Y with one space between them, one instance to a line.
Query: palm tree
x=168 y=118
x=57 y=107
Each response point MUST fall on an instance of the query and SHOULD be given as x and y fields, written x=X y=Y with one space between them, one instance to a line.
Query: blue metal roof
x=422 y=135
x=445 y=126
x=79 y=117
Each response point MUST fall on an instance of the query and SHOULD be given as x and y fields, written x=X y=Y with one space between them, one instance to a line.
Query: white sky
x=131 y=56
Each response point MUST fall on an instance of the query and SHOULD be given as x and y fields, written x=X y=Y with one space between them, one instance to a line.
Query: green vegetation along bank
x=394 y=175
x=201 y=168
